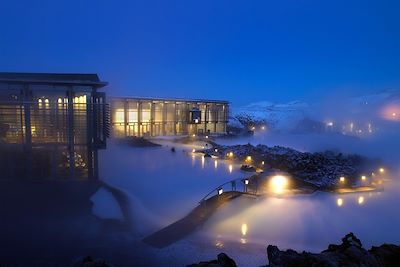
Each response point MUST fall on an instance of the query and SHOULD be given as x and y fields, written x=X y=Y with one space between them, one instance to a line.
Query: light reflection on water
x=310 y=222
x=169 y=185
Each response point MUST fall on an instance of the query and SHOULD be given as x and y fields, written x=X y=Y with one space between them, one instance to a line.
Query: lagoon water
x=165 y=186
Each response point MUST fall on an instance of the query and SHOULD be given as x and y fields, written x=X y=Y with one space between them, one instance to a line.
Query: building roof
x=52 y=78
x=171 y=99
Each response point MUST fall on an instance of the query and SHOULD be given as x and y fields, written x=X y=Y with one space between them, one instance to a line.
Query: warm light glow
x=206 y=136
x=339 y=202
x=220 y=191
x=40 y=101
x=46 y=101
x=262 y=162
x=230 y=154
x=194 y=135
x=215 y=164
x=360 y=200
x=59 y=101
x=381 y=170
x=230 y=168
x=279 y=183
x=244 y=229
x=248 y=158
x=193 y=150
x=202 y=162
x=363 y=177
x=342 y=179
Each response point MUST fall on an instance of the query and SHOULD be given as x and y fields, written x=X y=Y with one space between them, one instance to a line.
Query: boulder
x=222 y=260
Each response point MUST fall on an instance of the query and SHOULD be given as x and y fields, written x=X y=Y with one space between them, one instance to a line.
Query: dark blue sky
x=241 y=51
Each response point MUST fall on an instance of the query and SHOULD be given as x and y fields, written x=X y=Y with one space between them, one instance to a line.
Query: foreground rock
x=350 y=254
x=222 y=261
x=90 y=262
x=321 y=169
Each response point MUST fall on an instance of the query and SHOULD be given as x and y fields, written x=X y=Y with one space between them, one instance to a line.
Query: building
x=51 y=125
x=138 y=116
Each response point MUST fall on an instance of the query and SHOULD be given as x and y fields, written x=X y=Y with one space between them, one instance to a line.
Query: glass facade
x=158 y=117
x=51 y=130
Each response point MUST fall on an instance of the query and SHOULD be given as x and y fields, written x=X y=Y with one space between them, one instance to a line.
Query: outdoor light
x=230 y=168
x=59 y=101
x=246 y=181
x=329 y=123
x=263 y=127
x=262 y=162
x=339 y=202
x=360 y=200
x=193 y=150
x=230 y=154
x=381 y=170
x=279 y=183
x=206 y=136
x=215 y=150
x=342 y=179
x=363 y=177
x=40 y=101
x=248 y=158
x=194 y=135
x=46 y=101
x=220 y=191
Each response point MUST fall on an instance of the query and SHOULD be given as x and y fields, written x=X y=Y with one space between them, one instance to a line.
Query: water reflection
x=215 y=164
x=230 y=168
x=360 y=200
x=339 y=202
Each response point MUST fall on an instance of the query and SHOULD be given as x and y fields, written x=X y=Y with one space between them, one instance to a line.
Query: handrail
x=220 y=186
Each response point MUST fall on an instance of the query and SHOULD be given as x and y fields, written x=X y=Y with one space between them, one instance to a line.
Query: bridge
x=199 y=215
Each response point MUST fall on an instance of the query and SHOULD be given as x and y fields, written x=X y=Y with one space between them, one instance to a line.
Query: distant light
x=244 y=229
x=46 y=101
x=329 y=124
x=215 y=150
x=363 y=177
x=230 y=154
x=220 y=191
x=40 y=101
x=360 y=200
x=263 y=127
x=248 y=158
x=194 y=135
x=279 y=183
x=59 y=101
x=206 y=136
x=342 y=179
x=381 y=170
x=262 y=162
x=246 y=181
x=193 y=150
x=339 y=202
x=394 y=114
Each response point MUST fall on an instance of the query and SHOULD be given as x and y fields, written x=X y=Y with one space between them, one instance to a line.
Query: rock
x=248 y=168
x=350 y=253
x=90 y=262
x=207 y=155
x=222 y=261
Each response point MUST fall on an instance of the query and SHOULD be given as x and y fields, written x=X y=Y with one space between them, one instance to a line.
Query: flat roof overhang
x=170 y=99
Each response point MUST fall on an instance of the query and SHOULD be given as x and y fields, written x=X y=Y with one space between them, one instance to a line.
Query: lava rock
x=90 y=262
x=222 y=260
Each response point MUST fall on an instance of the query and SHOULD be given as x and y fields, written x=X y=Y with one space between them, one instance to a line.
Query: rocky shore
x=348 y=254
x=321 y=169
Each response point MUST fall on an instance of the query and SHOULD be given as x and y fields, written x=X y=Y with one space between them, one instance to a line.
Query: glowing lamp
x=206 y=136
x=381 y=170
x=279 y=183
x=248 y=158
x=220 y=191
x=342 y=179
x=262 y=162
x=246 y=181
x=194 y=135
x=244 y=229
x=215 y=150
x=363 y=177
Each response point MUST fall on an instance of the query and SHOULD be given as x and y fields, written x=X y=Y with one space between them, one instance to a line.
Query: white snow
x=105 y=206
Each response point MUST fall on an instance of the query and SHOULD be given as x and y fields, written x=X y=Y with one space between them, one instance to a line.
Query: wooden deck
x=194 y=219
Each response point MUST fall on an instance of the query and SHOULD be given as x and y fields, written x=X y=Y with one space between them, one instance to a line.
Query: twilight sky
x=241 y=51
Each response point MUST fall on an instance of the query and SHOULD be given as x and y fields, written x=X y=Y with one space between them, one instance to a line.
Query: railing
x=244 y=183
